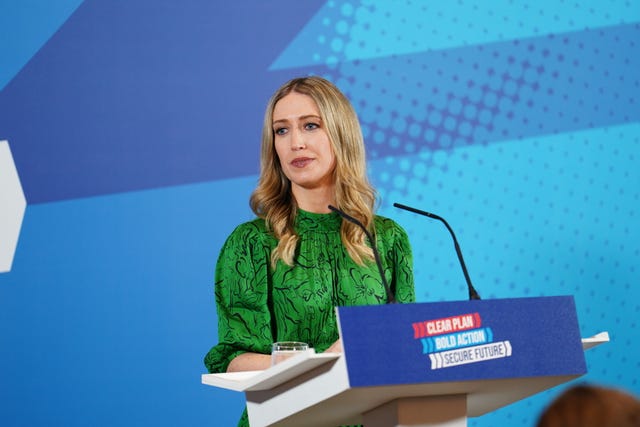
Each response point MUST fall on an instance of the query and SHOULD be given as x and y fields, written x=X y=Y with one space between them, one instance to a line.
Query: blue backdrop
x=134 y=127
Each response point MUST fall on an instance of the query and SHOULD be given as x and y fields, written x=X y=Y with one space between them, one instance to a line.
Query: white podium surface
x=272 y=377
x=315 y=388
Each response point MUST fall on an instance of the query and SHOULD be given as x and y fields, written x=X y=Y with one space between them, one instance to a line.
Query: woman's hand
x=336 y=347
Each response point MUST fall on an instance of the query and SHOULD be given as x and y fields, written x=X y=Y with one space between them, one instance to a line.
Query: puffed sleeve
x=242 y=297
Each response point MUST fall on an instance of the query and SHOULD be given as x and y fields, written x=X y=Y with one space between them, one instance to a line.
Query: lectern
x=422 y=364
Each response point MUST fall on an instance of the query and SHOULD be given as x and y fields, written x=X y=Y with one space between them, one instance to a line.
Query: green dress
x=258 y=305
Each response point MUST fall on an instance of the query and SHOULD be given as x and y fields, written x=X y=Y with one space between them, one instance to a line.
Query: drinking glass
x=285 y=349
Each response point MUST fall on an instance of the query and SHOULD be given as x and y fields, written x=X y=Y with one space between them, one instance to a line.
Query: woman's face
x=302 y=143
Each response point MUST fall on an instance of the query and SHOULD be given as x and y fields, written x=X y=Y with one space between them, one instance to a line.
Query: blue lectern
x=423 y=364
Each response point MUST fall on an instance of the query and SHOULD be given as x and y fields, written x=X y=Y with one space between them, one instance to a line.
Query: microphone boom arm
x=473 y=294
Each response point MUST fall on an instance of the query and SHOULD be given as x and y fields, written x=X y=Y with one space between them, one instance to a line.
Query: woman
x=280 y=276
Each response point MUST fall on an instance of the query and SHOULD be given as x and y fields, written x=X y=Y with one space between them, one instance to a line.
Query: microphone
x=390 y=297
x=473 y=295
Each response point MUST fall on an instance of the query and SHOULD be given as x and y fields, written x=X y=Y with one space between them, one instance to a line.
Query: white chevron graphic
x=12 y=207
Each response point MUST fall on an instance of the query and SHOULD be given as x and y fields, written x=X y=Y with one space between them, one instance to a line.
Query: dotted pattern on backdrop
x=351 y=30
x=552 y=228
x=567 y=226
x=498 y=92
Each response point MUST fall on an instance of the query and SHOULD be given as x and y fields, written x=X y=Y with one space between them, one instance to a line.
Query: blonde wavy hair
x=273 y=200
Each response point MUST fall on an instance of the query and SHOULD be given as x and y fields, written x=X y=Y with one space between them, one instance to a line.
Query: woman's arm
x=241 y=293
x=249 y=362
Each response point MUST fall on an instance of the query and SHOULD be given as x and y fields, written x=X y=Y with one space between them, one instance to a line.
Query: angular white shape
x=12 y=207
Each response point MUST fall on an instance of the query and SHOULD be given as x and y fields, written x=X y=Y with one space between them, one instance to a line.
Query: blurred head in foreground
x=592 y=406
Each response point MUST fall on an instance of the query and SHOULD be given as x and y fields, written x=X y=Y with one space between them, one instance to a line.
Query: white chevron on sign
x=13 y=205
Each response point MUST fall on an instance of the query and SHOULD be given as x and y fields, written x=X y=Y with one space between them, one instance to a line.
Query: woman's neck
x=315 y=200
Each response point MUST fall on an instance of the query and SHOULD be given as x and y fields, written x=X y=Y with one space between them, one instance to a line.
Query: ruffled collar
x=309 y=221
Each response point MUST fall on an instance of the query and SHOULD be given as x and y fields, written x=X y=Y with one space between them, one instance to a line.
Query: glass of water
x=285 y=349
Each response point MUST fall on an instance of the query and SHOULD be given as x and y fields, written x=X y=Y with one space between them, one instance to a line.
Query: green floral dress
x=258 y=305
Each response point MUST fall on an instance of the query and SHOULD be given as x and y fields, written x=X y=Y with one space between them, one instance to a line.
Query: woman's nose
x=297 y=140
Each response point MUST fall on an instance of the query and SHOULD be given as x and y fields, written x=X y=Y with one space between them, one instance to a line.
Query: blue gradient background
x=134 y=126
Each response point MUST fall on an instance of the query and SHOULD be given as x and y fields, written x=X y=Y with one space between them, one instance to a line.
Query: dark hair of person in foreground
x=588 y=405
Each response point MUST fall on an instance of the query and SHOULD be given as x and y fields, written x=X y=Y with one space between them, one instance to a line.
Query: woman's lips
x=301 y=162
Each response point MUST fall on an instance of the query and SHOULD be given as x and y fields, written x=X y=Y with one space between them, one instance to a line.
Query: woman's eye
x=280 y=131
x=311 y=126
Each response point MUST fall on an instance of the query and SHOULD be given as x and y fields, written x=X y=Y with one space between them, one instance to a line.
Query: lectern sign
x=447 y=341
x=458 y=340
